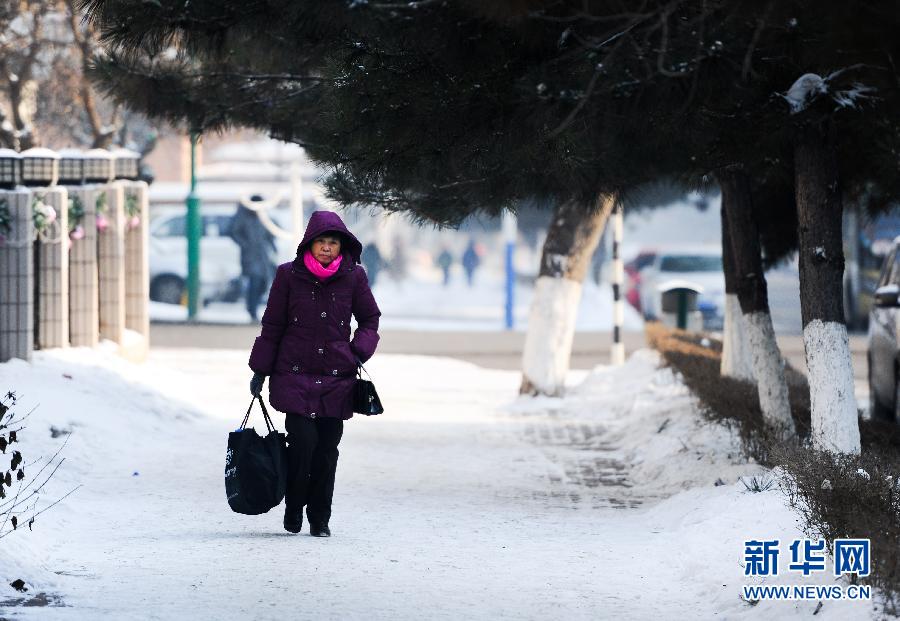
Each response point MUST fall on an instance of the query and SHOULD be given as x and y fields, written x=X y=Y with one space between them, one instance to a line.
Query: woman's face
x=326 y=248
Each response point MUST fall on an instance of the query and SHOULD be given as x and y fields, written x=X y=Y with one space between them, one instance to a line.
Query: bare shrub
x=20 y=493
x=836 y=496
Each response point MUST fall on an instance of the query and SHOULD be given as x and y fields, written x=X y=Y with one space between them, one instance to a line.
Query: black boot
x=319 y=530
x=293 y=520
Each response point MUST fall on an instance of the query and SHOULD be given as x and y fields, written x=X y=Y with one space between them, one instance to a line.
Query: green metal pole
x=194 y=232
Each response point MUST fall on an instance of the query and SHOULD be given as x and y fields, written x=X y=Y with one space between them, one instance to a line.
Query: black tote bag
x=255 y=467
x=365 y=398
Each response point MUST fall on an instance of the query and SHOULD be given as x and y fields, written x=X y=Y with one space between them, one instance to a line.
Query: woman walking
x=307 y=351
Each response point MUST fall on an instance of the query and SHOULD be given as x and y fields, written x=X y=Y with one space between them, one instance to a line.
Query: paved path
x=446 y=509
x=494 y=350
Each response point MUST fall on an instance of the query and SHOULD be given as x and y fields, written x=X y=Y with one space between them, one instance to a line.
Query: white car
x=698 y=266
x=220 y=266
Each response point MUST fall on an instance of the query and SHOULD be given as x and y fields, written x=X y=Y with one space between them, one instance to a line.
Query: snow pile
x=650 y=426
x=681 y=544
x=109 y=412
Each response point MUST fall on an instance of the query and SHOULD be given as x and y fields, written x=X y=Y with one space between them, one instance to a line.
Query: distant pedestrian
x=258 y=250
x=470 y=261
x=307 y=350
x=372 y=261
x=444 y=261
x=397 y=267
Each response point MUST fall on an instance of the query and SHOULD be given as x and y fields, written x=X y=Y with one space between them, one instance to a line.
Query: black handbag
x=365 y=397
x=255 y=467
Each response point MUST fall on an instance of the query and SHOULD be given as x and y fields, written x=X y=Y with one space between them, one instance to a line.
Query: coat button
x=334 y=372
x=295 y=368
x=313 y=415
x=321 y=351
x=318 y=381
x=324 y=314
x=342 y=323
x=295 y=320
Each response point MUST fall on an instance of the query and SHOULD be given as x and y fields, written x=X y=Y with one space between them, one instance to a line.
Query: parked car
x=220 y=267
x=701 y=266
x=867 y=240
x=633 y=277
x=882 y=355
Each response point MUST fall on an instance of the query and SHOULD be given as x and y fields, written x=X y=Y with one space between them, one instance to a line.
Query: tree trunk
x=571 y=240
x=736 y=361
x=768 y=366
x=835 y=426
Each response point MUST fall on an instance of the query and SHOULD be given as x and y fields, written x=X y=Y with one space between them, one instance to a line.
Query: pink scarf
x=322 y=272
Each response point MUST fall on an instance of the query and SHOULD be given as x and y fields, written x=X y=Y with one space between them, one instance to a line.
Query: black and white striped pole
x=617 y=354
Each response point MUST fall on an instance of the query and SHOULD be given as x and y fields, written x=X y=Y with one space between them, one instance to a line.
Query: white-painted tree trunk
x=551 y=329
x=768 y=369
x=571 y=240
x=835 y=427
x=736 y=359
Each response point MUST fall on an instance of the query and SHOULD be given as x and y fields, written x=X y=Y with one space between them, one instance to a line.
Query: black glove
x=256 y=384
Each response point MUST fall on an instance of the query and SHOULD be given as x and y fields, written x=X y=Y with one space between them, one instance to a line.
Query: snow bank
x=107 y=410
x=649 y=424
x=683 y=478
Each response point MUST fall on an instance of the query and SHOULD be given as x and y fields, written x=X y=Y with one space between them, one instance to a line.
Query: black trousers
x=312 y=462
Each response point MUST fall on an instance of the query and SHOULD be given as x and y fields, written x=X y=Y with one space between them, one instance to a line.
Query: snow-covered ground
x=422 y=303
x=461 y=501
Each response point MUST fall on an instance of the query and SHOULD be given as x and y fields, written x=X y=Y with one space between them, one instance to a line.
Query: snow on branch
x=810 y=86
x=805 y=90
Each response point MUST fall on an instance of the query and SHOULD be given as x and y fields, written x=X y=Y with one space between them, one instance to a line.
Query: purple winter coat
x=305 y=346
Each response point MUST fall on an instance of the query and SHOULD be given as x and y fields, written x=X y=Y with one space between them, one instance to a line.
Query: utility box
x=679 y=304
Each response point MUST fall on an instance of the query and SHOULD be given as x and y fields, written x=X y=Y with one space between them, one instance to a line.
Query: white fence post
x=84 y=318
x=111 y=261
x=52 y=258
x=137 y=271
x=17 y=277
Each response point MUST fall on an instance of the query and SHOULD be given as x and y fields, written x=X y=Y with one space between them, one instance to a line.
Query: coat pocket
x=343 y=357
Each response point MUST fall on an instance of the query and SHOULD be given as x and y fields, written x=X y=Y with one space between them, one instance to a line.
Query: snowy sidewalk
x=459 y=502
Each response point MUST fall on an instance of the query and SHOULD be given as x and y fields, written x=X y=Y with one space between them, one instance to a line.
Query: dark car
x=884 y=363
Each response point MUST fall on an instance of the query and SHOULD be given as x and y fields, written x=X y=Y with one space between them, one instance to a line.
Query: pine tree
x=412 y=117
x=443 y=110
